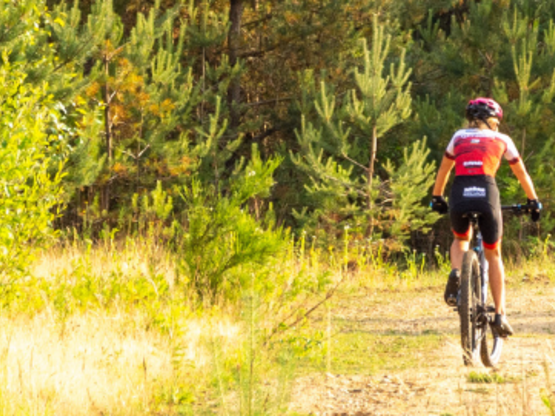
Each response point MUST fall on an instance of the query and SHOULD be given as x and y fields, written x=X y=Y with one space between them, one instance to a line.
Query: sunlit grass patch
x=114 y=328
x=489 y=378
x=370 y=353
x=107 y=364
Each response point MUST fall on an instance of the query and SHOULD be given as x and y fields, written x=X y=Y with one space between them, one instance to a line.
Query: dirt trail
x=439 y=384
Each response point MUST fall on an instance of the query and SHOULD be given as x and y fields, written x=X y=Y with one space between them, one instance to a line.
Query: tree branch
x=265 y=18
x=264 y=134
x=279 y=327
x=354 y=162
x=275 y=100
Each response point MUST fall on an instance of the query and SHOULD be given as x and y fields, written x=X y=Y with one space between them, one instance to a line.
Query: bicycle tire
x=470 y=298
x=490 y=358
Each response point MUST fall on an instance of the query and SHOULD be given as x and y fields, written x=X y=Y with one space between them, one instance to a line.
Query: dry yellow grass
x=112 y=361
x=105 y=361
x=100 y=364
x=132 y=257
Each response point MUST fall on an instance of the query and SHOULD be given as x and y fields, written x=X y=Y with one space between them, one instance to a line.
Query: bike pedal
x=490 y=308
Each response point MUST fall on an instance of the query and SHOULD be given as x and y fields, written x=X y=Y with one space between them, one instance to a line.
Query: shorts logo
x=473 y=163
x=475 y=141
x=474 y=192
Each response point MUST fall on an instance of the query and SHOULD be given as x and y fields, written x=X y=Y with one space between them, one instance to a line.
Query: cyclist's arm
x=443 y=176
x=525 y=181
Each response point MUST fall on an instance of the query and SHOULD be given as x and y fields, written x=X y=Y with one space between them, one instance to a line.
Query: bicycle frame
x=484 y=265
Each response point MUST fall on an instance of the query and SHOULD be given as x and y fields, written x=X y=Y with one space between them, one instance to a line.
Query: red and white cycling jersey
x=479 y=152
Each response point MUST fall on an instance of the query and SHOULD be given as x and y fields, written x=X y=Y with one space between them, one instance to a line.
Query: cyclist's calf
x=496 y=277
x=459 y=246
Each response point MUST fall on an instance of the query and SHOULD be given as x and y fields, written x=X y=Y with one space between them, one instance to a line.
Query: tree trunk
x=234 y=41
x=371 y=165
x=107 y=132
x=370 y=177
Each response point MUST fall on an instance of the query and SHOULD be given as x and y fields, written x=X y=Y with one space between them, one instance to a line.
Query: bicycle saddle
x=472 y=215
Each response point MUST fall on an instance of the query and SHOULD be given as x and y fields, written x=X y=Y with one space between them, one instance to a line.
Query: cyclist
x=476 y=154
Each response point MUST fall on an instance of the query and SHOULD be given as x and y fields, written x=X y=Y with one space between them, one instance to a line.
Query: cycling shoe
x=452 y=288
x=501 y=326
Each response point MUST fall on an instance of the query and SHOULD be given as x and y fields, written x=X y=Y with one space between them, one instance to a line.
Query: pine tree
x=339 y=153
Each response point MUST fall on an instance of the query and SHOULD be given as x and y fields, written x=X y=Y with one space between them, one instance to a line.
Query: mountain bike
x=475 y=315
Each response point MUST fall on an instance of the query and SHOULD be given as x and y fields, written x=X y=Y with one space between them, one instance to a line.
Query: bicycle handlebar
x=519 y=209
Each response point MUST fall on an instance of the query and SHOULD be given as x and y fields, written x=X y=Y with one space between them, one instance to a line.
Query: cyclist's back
x=477 y=153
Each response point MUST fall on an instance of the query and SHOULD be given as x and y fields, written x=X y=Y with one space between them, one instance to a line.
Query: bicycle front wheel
x=469 y=301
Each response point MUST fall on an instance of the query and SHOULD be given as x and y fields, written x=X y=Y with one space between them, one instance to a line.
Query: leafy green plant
x=29 y=179
x=221 y=234
x=442 y=260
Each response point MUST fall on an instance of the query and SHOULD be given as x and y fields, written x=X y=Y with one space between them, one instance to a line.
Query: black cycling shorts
x=477 y=193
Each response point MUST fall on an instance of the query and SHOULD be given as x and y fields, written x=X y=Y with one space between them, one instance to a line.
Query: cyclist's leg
x=491 y=226
x=459 y=246
x=460 y=224
x=496 y=278
x=497 y=285
x=463 y=234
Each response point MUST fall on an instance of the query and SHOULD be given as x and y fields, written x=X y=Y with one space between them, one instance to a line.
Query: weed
x=546 y=394
x=415 y=265
x=358 y=352
x=488 y=378
x=443 y=261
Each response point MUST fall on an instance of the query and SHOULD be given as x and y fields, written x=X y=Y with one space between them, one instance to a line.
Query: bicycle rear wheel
x=490 y=357
x=469 y=302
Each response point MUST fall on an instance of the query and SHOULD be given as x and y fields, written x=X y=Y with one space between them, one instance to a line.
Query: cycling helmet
x=483 y=108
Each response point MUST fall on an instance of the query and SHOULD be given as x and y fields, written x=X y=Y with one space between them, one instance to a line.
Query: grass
x=111 y=329
x=104 y=362
x=488 y=378
x=360 y=353
x=115 y=329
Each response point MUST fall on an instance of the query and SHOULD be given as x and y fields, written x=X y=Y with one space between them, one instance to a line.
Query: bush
x=29 y=179
x=221 y=234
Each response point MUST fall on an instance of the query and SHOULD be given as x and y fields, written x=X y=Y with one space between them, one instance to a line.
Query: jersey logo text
x=472 y=163
x=474 y=192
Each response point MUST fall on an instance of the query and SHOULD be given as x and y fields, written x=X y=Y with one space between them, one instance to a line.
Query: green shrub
x=29 y=179
x=221 y=235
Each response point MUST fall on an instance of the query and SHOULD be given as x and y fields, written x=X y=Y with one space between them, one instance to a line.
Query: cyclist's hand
x=535 y=212
x=439 y=204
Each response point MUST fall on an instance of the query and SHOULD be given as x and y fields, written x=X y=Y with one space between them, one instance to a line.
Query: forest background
x=347 y=105
x=248 y=151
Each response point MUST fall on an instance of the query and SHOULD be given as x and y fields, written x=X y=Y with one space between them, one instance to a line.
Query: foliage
x=339 y=152
x=31 y=138
x=185 y=153
x=222 y=235
x=151 y=93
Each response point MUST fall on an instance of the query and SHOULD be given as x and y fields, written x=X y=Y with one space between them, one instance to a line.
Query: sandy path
x=440 y=386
